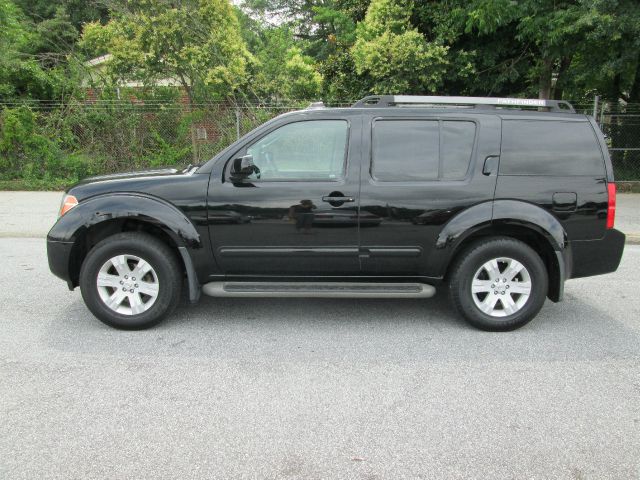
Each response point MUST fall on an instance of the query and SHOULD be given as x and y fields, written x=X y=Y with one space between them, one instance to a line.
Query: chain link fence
x=127 y=134
x=101 y=136
x=621 y=126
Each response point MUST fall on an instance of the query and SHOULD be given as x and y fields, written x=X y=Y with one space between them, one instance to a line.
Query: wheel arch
x=97 y=218
x=515 y=219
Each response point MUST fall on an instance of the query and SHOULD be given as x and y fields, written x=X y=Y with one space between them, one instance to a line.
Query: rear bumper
x=59 y=255
x=595 y=257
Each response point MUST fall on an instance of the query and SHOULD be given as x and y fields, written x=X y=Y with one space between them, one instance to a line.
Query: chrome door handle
x=330 y=199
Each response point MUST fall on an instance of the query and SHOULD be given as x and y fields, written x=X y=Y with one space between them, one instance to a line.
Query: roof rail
x=382 y=101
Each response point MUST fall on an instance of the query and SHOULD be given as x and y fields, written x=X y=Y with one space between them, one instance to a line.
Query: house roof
x=94 y=62
x=95 y=72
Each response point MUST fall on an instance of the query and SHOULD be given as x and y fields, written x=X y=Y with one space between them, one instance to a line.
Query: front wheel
x=498 y=284
x=131 y=280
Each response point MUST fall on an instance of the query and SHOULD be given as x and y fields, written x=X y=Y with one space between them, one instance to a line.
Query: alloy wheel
x=501 y=287
x=127 y=284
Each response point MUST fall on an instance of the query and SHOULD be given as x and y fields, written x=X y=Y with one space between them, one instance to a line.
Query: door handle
x=336 y=199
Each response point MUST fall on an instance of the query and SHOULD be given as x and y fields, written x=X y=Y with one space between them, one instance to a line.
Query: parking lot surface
x=315 y=388
x=295 y=388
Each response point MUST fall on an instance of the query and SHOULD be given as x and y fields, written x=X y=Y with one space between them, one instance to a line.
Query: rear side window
x=419 y=150
x=533 y=147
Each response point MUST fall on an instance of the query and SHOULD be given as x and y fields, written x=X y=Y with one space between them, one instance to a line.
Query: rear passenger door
x=419 y=171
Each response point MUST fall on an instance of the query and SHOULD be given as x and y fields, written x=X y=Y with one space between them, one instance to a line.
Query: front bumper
x=59 y=256
x=595 y=257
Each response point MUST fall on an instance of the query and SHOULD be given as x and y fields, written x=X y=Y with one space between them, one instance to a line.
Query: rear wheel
x=498 y=284
x=131 y=280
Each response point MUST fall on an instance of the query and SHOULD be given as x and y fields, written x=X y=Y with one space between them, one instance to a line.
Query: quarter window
x=309 y=150
x=421 y=150
x=534 y=147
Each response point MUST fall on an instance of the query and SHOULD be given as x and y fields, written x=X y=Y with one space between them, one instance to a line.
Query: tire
x=512 y=306
x=137 y=303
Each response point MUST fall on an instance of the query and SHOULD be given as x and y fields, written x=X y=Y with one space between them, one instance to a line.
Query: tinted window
x=310 y=150
x=457 y=145
x=531 y=147
x=418 y=150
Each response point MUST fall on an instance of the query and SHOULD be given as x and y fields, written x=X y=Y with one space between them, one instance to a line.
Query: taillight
x=611 y=205
x=68 y=202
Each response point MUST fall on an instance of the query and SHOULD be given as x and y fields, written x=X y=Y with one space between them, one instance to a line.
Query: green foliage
x=78 y=11
x=36 y=57
x=30 y=151
x=13 y=34
x=55 y=39
x=40 y=148
x=165 y=153
x=199 y=44
x=20 y=75
x=395 y=55
x=66 y=145
x=24 y=150
x=275 y=51
x=302 y=79
x=343 y=83
x=281 y=70
x=339 y=23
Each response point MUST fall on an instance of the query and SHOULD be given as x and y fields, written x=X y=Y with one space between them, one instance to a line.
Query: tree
x=541 y=47
x=56 y=39
x=490 y=62
x=396 y=56
x=302 y=79
x=197 y=42
x=21 y=76
x=607 y=60
x=281 y=69
x=79 y=11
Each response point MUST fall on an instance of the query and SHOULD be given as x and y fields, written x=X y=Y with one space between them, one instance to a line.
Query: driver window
x=311 y=150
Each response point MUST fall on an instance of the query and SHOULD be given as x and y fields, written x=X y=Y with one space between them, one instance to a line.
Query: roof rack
x=382 y=101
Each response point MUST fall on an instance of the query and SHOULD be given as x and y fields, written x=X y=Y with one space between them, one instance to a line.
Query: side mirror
x=243 y=167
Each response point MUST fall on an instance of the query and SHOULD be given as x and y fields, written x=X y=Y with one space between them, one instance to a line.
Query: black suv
x=393 y=197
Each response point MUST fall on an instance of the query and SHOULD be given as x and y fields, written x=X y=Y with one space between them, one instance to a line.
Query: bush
x=53 y=147
x=25 y=152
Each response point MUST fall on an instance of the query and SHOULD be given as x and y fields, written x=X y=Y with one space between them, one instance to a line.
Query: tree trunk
x=546 y=72
x=558 y=89
x=634 y=91
x=615 y=91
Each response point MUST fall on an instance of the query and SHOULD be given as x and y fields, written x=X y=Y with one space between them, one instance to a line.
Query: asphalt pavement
x=313 y=388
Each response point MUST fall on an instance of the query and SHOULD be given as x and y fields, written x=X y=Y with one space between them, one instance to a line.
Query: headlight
x=68 y=202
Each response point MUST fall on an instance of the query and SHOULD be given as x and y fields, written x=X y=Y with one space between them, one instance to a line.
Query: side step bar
x=319 y=289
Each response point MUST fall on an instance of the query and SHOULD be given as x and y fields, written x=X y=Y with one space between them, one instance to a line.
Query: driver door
x=293 y=210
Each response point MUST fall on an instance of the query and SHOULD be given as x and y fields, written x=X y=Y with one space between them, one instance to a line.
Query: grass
x=628 y=187
x=35 y=185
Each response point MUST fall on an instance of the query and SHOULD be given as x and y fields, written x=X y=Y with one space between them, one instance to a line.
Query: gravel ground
x=316 y=389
